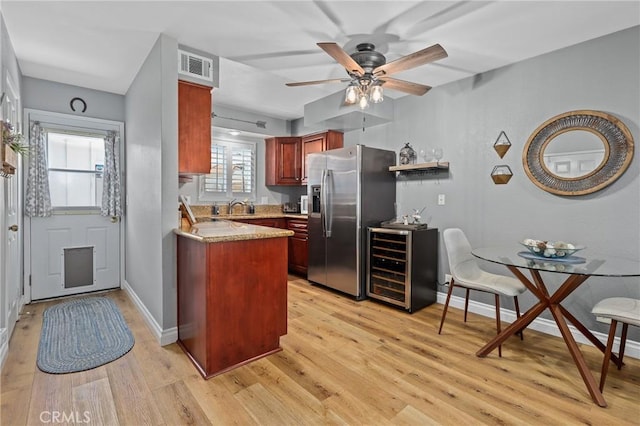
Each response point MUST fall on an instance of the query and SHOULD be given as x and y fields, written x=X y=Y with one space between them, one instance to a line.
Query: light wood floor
x=344 y=362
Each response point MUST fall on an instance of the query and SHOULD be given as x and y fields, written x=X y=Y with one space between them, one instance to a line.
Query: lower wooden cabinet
x=298 y=246
x=298 y=257
x=232 y=305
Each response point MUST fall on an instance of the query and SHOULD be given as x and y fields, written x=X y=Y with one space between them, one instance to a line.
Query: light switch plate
x=441 y=199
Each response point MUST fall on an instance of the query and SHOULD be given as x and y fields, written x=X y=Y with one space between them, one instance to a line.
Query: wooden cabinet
x=319 y=142
x=298 y=246
x=194 y=128
x=283 y=161
x=285 y=158
x=297 y=243
x=232 y=305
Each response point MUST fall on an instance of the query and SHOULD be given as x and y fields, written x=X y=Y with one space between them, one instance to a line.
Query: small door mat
x=82 y=334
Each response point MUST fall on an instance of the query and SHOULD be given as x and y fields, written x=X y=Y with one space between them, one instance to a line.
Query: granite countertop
x=228 y=230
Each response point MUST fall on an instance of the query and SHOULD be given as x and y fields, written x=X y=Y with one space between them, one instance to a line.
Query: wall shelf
x=432 y=167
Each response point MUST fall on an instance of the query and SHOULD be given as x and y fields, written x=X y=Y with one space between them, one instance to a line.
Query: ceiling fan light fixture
x=377 y=95
x=351 y=95
x=364 y=102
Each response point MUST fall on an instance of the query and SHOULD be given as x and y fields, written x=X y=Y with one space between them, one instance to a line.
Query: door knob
x=13 y=228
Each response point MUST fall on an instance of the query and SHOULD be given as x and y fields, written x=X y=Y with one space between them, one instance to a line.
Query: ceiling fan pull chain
x=363 y=119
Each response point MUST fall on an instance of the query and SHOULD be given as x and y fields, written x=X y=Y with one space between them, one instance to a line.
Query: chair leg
x=466 y=304
x=515 y=300
x=446 y=305
x=498 y=322
x=607 y=353
x=623 y=343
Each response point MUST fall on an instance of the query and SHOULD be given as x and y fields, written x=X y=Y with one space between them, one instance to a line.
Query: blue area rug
x=82 y=334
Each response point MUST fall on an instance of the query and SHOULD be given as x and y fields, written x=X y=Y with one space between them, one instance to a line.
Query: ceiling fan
x=369 y=71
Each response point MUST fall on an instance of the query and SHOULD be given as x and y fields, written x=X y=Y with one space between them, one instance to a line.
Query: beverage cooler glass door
x=389 y=271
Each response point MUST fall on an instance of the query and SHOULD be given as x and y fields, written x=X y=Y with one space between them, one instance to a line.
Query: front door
x=75 y=250
x=12 y=267
x=12 y=261
x=74 y=253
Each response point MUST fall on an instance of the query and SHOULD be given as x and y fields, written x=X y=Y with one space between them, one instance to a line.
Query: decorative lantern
x=407 y=155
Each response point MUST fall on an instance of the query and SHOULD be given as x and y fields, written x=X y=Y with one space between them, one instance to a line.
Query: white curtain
x=37 y=197
x=111 y=205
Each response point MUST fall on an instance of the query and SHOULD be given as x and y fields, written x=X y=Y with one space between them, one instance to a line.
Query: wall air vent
x=195 y=66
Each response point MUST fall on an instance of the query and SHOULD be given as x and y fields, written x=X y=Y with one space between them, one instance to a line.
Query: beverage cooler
x=402 y=266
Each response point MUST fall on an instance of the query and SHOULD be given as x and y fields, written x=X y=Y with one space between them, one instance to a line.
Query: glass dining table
x=577 y=268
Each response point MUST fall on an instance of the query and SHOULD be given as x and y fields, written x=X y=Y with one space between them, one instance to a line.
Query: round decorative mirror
x=578 y=152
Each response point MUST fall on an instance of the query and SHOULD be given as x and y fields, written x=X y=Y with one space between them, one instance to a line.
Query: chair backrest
x=461 y=261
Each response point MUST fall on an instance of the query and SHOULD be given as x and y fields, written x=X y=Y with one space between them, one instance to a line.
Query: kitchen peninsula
x=232 y=293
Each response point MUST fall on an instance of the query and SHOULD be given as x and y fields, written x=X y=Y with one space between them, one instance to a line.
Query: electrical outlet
x=441 y=199
x=447 y=278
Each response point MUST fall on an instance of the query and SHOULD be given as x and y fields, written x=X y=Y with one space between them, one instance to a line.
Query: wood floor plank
x=14 y=406
x=177 y=406
x=410 y=416
x=309 y=409
x=50 y=393
x=218 y=404
x=265 y=408
x=93 y=403
x=161 y=365
x=343 y=362
x=131 y=395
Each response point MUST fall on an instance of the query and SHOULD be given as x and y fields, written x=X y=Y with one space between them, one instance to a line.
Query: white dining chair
x=466 y=273
x=616 y=309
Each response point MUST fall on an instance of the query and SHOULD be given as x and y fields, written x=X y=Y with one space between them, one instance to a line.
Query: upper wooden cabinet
x=283 y=161
x=319 y=142
x=194 y=128
x=285 y=158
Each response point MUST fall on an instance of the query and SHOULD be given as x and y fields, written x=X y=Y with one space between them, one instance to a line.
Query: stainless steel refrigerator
x=349 y=190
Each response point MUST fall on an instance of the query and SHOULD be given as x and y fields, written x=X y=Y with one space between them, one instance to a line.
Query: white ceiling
x=264 y=44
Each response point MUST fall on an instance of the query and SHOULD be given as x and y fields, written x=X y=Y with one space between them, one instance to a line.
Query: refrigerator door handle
x=328 y=203
x=323 y=200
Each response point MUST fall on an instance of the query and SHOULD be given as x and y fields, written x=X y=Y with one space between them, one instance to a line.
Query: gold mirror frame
x=617 y=140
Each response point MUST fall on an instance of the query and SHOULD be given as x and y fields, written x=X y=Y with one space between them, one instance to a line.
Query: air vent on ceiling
x=195 y=65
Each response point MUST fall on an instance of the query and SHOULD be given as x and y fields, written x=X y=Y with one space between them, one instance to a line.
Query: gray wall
x=151 y=175
x=466 y=117
x=56 y=97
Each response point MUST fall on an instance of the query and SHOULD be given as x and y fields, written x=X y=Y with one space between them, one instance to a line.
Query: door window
x=75 y=169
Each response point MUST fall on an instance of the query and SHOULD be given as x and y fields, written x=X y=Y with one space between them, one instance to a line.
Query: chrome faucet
x=234 y=203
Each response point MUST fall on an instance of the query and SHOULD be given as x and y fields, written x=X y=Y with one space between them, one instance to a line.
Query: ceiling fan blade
x=342 y=57
x=404 y=86
x=421 y=57
x=308 y=83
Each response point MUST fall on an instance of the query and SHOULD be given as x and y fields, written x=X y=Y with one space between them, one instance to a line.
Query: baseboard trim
x=164 y=337
x=4 y=347
x=542 y=325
